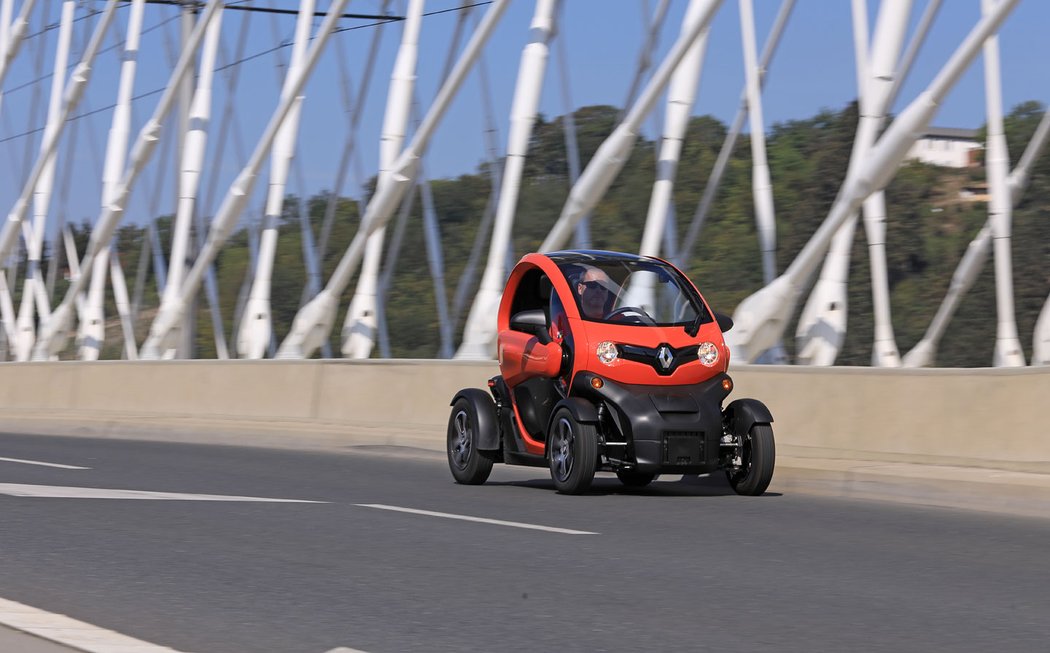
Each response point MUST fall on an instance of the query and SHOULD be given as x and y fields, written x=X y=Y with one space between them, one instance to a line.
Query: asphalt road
x=681 y=565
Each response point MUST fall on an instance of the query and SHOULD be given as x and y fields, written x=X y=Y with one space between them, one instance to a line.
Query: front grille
x=683 y=448
x=652 y=356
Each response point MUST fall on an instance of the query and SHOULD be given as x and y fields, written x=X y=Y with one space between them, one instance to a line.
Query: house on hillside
x=947 y=146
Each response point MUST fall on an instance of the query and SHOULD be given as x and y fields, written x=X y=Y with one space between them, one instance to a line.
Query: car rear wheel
x=469 y=466
x=635 y=479
x=757 y=455
x=572 y=451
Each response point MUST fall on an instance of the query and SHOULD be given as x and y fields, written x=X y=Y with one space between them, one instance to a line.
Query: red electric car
x=609 y=362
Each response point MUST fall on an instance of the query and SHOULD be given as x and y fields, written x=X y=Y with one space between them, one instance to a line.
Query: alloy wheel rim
x=459 y=445
x=562 y=452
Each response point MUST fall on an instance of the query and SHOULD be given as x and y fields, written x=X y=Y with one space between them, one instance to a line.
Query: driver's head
x=596 y=291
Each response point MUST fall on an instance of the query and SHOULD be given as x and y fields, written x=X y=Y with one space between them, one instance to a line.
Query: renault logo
x=664 y=356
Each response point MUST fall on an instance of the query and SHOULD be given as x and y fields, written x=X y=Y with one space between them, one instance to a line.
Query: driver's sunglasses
x=591 y=286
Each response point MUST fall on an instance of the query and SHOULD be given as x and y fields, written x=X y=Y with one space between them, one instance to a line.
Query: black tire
x=469 y=466
x=758 y=458
x=635 y=479
x=572 y=453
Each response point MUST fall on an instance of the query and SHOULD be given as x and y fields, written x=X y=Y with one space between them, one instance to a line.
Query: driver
x=597 y=292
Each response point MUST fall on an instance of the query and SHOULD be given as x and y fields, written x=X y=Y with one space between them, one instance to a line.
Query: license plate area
x=683 y=448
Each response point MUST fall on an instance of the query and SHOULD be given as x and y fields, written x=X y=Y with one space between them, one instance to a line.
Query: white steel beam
x=479 y=335
x=467 y=285
x=74 y=91
x=120 y=298
x=1018 y=182
x=7 y=311
x=211 y=291
x=6 y=7
x=55 y=331
x=612 y=154
x=714 y=180
x=256 y=326
x=359 y=327
x=163 y=331
x=1018 y=179
x=885 y=56
x=92 y=332
x=393 y=252
x=572 y=146
x=436 y=263
x=34 y=296
x=249 y=272
x=821 y=328
x=1008 y=351
x=355 y=107
x=645 y=57
x=761 y=185
x=910 y=52
x=431 y=230
x=14 y=35
x=761 y=318
x=314 y=321
x=681 y=95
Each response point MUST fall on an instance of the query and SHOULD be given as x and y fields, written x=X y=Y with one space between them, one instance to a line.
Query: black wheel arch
x=488 y=425
x=742 y=414
x=583 y=411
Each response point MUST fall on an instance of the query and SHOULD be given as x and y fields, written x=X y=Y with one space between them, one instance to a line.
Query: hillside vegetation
x=928 y=229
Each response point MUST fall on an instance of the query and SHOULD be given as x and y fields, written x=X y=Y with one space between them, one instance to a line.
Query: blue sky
x=813 y=69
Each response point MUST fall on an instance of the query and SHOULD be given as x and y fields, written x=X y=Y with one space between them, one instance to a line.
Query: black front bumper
x=675 y=429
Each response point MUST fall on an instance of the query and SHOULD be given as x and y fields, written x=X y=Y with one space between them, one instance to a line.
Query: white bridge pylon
x=89 y=38
x=359 y=330
x=822 y=327
x=761 y=318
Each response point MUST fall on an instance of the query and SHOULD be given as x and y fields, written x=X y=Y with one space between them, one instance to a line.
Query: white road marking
x=67 y=631
x=480 y=520
x=59 y=492
x=42 y=464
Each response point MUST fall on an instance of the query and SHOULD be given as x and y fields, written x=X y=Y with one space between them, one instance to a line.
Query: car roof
x=593 y=256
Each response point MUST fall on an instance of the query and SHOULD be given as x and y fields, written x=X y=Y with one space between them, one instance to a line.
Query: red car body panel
x=522 y=356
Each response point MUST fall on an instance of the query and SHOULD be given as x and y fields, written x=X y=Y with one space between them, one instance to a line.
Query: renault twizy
x=609 y=362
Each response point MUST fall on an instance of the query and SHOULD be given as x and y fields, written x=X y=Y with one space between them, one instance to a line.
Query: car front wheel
x=752 y=475
x=572 y=451
x=469 y=466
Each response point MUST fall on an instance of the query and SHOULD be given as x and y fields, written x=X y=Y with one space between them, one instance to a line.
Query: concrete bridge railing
x=974 y=417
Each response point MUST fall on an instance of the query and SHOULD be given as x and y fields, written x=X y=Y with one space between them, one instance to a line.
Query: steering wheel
x=633 y=313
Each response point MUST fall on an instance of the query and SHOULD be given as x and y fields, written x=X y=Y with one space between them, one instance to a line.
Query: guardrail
x=970 y=417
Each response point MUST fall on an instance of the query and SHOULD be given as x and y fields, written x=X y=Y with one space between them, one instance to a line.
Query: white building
x=946 y=146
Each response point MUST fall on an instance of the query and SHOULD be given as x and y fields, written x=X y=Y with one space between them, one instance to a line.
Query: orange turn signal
x=727 y=384
x=597 y=383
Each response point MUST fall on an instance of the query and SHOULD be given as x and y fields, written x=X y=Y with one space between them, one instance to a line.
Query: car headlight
x=707 y=353
x=607 y=352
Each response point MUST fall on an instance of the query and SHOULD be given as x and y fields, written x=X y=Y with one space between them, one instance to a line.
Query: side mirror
x=725 y=323
x=533 y=321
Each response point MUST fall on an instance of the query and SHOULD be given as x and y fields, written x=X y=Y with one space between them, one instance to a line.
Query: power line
x=429 y=13
x=283 y=44
x=55 y=25
x=195 y=5
x=48 y=76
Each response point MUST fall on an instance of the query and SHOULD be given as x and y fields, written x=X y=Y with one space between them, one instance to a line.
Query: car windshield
x=633 y=291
